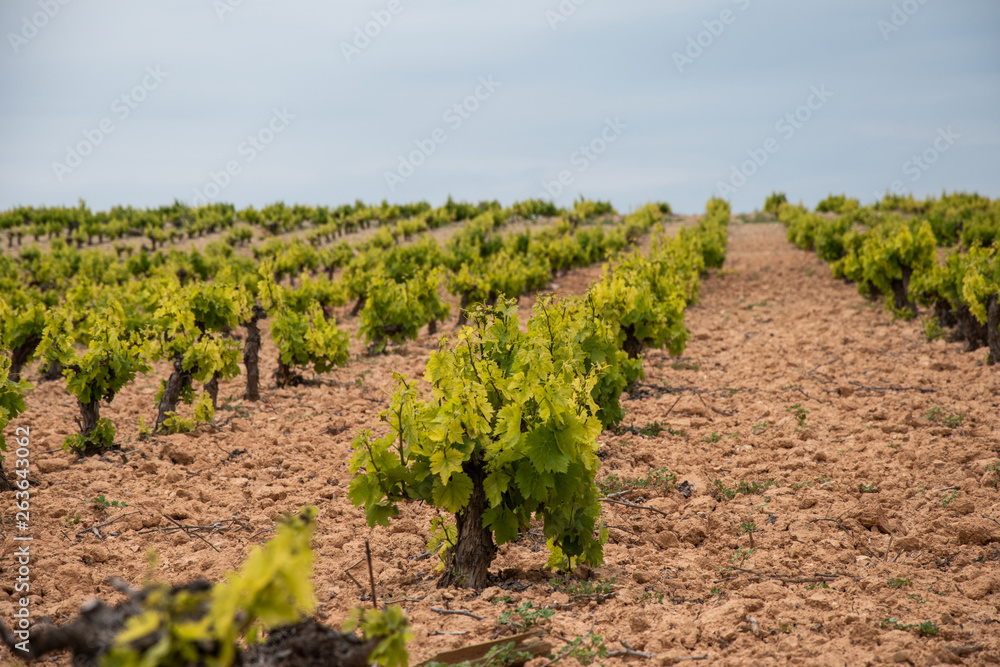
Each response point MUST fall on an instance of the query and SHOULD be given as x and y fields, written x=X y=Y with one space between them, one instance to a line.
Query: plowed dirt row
x=855 y=453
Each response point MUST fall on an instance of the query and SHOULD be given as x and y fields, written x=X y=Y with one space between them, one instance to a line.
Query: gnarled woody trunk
x=993 y=328
x=251 y=352
x=178 y=381
x=467 y=563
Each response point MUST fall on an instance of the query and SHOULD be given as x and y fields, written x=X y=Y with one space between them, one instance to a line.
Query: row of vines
x=510 y=432
x=940 y=253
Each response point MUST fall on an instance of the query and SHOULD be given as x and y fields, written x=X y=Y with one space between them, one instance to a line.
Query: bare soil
x=878 y=503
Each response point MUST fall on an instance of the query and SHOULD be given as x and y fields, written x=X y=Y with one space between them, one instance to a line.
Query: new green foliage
x=112 y=359
x=509 y=433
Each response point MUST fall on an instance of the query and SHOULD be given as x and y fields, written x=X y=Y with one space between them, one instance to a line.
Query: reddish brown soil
x=773 y=330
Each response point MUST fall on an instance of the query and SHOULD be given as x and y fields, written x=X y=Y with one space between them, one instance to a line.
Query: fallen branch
x=825 y=363
x=627 y=503
x=192 y=534
x=816 y=579
x=458 y=612
x=583 y=599
x=922 y=390
x=106 y=523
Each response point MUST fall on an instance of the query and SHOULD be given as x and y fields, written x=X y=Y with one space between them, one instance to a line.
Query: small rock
x=667 y=540
x=179 y=454
x=50 y=465
x=899 y=657
x=977 y=531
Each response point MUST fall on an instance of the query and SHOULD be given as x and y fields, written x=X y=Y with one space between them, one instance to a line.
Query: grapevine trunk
x=632 y=345
x=969 y=329
x=944 y=314
x=467 y=563
x=251 y=354
x=993 y=328
x=212 y=387
x=900 y=292
x=90 y=413
x=179 y=380
x=19 y=356
x=53 y=372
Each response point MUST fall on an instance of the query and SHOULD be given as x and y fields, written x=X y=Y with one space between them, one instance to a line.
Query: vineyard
x=589 y=436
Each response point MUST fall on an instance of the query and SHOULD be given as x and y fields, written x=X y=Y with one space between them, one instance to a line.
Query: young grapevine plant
x=510 y=433
x=113 y=358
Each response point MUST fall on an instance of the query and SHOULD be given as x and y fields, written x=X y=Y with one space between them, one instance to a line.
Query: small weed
x=933 y=330
x=867 y=488
x=733 y=435
x=587 y=649
x=761 y=427
x=800 y=415
x=748 y=527
x=899 y=583
x=947 y=499
x=925 y=629
x=528 y=617
x=712 y=437
x=994 y=468
x=239 y=409
x=722 y=492
x=742 y=554
x=651 y=430
x=820 y=585
x=685 y=366
x=102 y=502
x=937 y=414
x=584 y=588
x=937 y=592
x=916 y=598
x=715 y=590
x=731 y=392
x=655 y=597
x=72 y=519
x=660 y=479
x=144 y=430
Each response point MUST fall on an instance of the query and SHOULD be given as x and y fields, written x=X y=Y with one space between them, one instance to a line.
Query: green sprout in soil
x=939 y=415
x=800 y=415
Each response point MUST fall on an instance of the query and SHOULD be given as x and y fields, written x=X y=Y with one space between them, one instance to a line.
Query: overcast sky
x=140 y=102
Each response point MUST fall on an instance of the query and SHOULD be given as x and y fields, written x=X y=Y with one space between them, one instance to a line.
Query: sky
x=140 y=102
